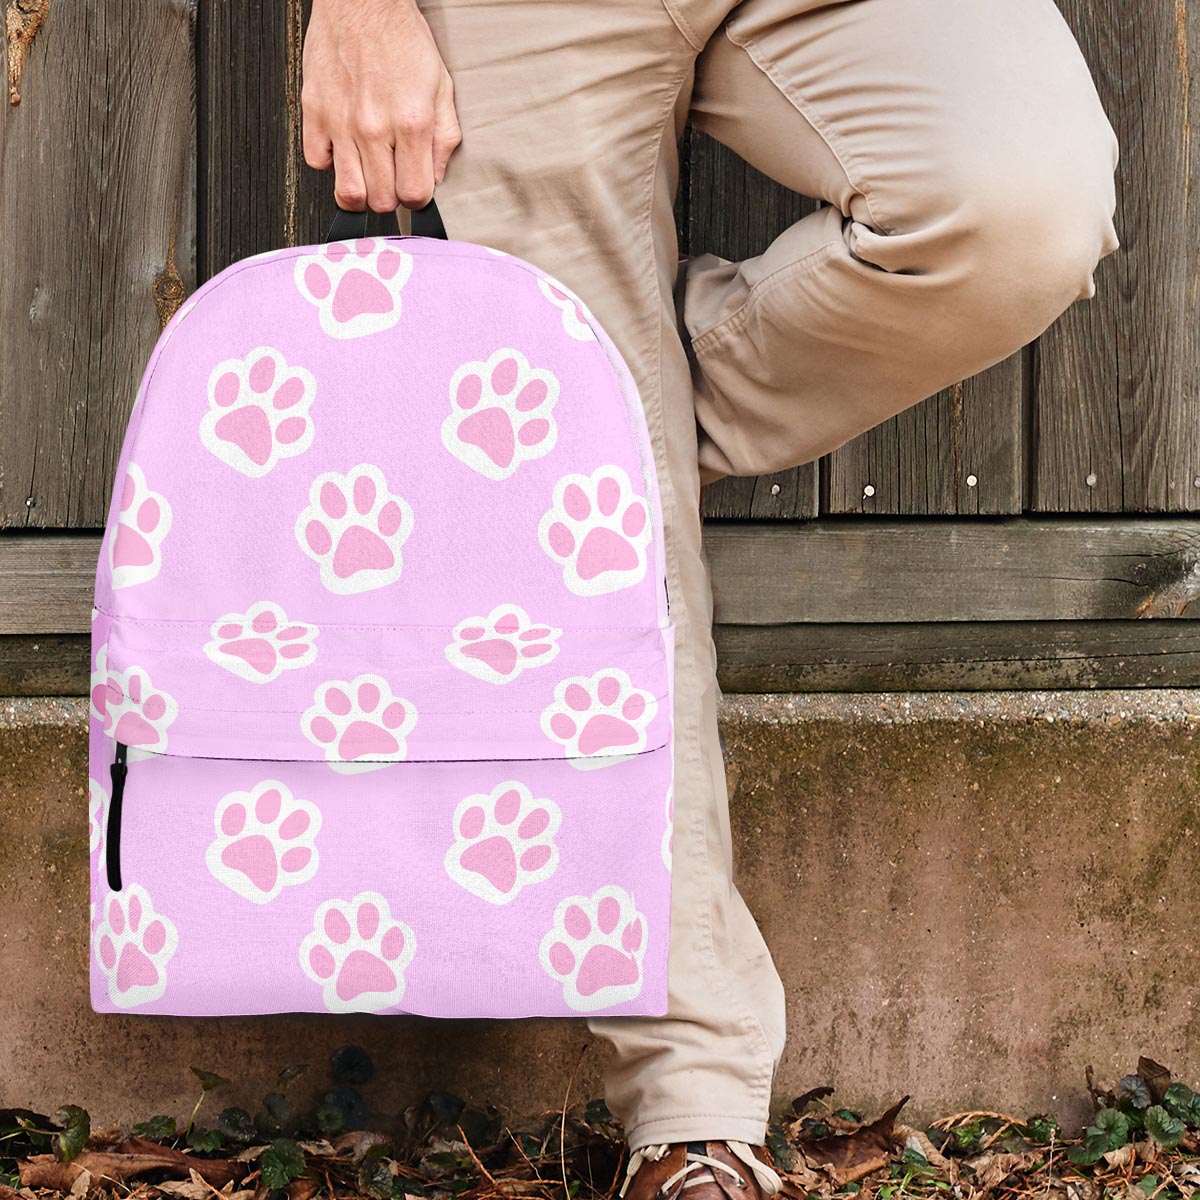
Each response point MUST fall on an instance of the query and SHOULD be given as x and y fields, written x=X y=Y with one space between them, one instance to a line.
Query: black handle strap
x=425 y=222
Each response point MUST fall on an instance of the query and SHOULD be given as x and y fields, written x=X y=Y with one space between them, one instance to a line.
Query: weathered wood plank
x=950 y=656
x=257 y=193
x=957 y=453
x=97 y=221
x=735 y=211
x=1001 y=570
x=1010 y=569
x=957 y=656
x=46 y=583
x=1118 y=379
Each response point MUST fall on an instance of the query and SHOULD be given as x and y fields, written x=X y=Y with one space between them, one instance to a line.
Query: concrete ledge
x=969 y=895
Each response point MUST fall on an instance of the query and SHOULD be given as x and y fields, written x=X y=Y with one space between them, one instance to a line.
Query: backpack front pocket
x=390 y=852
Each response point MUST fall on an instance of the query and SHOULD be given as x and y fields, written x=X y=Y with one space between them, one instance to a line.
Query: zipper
x=112 y=834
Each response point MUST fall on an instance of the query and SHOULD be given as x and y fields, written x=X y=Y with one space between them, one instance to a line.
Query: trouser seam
x=768 y=283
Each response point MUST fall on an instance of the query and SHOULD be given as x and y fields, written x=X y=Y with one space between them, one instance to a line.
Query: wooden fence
x=1014 y=530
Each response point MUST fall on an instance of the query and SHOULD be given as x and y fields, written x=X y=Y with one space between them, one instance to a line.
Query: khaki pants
x=967 y=167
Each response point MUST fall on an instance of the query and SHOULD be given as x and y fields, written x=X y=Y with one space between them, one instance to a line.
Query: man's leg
x=968 y=167
x=570 y=112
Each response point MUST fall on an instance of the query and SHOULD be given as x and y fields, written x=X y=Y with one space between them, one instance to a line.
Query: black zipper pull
x=112 y=837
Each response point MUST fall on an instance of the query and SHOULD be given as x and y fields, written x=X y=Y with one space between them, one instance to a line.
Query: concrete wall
x=970 y=896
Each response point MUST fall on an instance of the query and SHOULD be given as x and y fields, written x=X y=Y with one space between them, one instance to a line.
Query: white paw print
x=354 y=529
x=143 y=521
x=261 y=643
x=575 y=317
x=498 y=647
x=597 y=531
x=135 y=712
x=258 y=412
x=97 y=815
x=595 y=949
x=355 y=285
x=503 y=842
x=599 y=720
x=500 y=414
x=362 y=724
x=358 y=954
x=265 y=841
x=132 y=946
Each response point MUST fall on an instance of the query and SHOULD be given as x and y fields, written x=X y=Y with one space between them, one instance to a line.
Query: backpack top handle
x=425 y=222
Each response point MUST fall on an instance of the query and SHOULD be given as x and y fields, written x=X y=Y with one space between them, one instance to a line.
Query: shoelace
x=767 y=1178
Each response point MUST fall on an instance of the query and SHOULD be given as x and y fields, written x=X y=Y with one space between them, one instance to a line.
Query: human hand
x=378 y=103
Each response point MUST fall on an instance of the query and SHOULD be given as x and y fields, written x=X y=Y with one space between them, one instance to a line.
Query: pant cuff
x=697 y=1127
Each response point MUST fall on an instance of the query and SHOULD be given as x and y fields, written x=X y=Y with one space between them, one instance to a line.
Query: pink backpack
x=382 y=681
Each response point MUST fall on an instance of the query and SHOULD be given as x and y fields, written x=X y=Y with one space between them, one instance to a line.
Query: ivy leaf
x=375 y=1173
x=330 y=1118
x=1111 y=1126
x=157 y=1129
x=75 y=1126
x=1136 y=1089
x=352 y=1065
x=209 y=1080
x=1165 y=1129
x=280 y=1163
x=446 y=1107
x=1180 y=1101
x=235 y=1124
x=206 y=1141
x=288 y=1074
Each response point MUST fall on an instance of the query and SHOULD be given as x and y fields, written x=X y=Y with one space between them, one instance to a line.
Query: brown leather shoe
x=700 y=1171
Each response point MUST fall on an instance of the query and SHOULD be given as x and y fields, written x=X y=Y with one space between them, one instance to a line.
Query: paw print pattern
x=354 y=529
x=593 y=716
x=357 y=954
x=500 y=414
x=144 y=520
x=597 y=531
x=133 y=945
x=265 y=841
x=595 y=949
x=99 y=684
x=575 y=317
x=359 y=719
x=258 y=412
x=135 y=713
x=261 y=643
x=503 y=842
x=97 y=815
x=355 y=285
x=498 y=647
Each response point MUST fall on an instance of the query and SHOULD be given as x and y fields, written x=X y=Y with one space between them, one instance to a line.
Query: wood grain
x=1117 y=399
x=97 y=203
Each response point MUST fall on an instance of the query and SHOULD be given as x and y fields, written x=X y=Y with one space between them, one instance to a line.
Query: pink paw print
x=503 y=842
x=498 y=647
x=258 y=412
x=133 y=945
x=135 y=547
x=500 y=414
x=599 y=720
x=265 y=841
x=354 y=529
x=135 y=713
x=576 y=319
x=358 y=954
x=597 y=531
x=360 y=722
x=261 y=643
x=595 y=949
x=355 y=286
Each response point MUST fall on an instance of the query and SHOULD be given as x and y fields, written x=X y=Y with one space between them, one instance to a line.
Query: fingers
x=349 y=186
x=447 y=134
x=377 y=155
x=414 y=159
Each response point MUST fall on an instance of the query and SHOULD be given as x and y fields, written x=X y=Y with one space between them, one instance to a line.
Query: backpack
x=381 y=702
